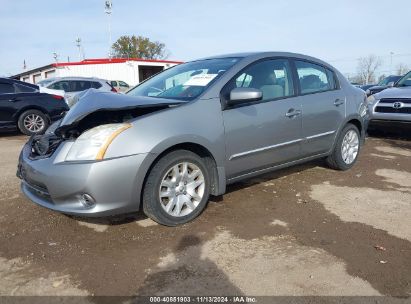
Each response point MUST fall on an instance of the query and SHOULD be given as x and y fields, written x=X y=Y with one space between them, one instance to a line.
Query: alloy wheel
x=350 y=146
x=34 y=123
x=182 y=189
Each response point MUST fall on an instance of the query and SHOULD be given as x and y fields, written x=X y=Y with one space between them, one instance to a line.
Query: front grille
x=394 y=106
x=43 y=146
x=38 y=191
x=392 y=100
x=392 y=110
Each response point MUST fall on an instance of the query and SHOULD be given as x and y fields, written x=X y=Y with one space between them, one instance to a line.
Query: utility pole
x=108 y=10
x=80 y=49
x=391 y=53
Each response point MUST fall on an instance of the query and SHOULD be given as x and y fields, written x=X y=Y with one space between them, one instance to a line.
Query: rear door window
x=79 y=85
x=313 y=78
x=61 y=85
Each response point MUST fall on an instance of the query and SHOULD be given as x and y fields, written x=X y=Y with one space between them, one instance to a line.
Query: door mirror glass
x=243 y=95
x=390 y=84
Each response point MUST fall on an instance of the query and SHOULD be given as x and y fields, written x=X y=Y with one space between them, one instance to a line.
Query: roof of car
x=10 y=80
x=75 y=78
x=259 y=55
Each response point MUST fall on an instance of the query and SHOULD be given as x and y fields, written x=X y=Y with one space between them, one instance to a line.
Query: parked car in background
x=356 y=84
x=24 y=107
x=120 y=86
x=74 y=85
x=187 y=132
x=392 y=106
x=387 y=82
x=365 y=87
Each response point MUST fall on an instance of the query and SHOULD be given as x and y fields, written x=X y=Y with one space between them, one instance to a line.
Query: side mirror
x=390 y=84
x=244 y=95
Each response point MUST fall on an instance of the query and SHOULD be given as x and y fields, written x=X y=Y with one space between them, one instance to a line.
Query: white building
x=132 y=71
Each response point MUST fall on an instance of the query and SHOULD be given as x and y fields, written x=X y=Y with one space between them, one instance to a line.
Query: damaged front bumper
x=97 y=188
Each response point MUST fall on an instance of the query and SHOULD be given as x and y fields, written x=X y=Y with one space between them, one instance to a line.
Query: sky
x=338 y=32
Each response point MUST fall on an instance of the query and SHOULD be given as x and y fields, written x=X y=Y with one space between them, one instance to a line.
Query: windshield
x=405 y=81
x=45 y=82
x=185 y=81
x=388 y=79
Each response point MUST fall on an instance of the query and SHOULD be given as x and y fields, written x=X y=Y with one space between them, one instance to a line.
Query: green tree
x=138 y=47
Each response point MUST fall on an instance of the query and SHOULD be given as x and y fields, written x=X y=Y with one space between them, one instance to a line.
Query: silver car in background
x=74 y=85
x=120 y=86
x=188 y=132
x=392 y=106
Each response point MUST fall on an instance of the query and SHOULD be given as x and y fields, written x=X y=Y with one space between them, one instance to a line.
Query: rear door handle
x=292 y=113
x=14 y=99
x=338 y=102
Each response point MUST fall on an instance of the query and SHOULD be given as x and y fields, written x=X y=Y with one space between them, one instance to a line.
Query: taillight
x=58 y=97
x=113 y=90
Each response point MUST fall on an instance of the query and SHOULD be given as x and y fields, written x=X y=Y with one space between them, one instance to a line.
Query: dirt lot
x=306 y=230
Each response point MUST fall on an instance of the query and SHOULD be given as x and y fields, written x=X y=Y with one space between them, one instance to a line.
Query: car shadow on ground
x=391 y=133
x=114 y=220
x=181 y=278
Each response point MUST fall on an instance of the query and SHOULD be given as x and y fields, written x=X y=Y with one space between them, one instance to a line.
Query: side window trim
x=336 y=81
x=293 y=77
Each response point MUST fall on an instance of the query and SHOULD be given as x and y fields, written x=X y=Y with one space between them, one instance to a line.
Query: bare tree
x=401 y=69
x=367 y=67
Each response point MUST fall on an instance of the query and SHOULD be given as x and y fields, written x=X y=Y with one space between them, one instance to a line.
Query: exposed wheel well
x=356 y=123
x=200 y=151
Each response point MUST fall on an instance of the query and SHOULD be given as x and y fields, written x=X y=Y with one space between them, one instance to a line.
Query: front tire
x=32 y=122
x=177 y=188
x=346 y=149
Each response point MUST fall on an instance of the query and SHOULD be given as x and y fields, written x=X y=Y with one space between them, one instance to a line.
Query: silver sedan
x=188 y=132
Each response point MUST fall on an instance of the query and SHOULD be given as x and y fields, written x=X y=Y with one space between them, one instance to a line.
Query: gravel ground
x=305 y=230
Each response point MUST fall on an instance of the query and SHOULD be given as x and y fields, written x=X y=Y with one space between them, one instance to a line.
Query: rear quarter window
x=96 y=85
x=6 y=88
x=23 y=89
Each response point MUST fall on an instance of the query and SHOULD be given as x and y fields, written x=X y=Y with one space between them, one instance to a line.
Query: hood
x=378 y=87
x=94 y=100
x=400 y=92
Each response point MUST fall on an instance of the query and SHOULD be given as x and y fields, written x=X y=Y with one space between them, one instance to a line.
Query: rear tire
x=32 y=122
x=346 y=149
x=177 y=188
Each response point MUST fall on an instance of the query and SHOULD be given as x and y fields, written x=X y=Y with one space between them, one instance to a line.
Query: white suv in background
x=74 y=85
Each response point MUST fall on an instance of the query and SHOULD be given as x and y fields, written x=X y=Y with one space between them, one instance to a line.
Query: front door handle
x=292 y=113
x=338 y=102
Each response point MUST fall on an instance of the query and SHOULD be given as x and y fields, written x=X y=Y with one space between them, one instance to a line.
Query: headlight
x=93 y=144
x=370 y=99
